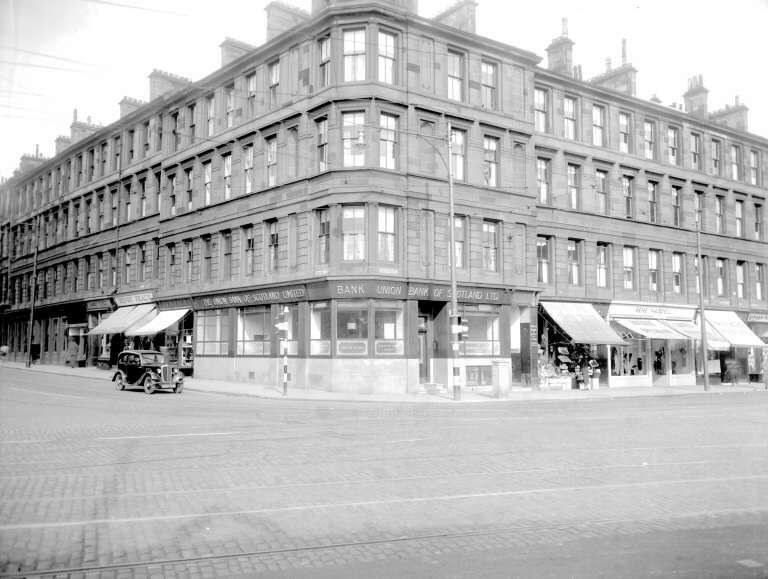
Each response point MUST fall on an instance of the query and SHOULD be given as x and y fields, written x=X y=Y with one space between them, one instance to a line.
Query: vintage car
x=147 y=369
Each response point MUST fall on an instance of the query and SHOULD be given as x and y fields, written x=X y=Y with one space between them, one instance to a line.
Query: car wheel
x=119 y=383
x=149 y=386
x=179 y=387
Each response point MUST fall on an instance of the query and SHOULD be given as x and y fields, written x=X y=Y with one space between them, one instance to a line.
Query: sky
x=60 y=55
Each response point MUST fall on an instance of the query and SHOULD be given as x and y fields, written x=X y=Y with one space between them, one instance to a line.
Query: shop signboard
x=135 y=299
x=252 y=298
x=651 y=312
x=352 y=347
x=393 y=347
x=97 y=305
x=757 y=317
x=400 y=291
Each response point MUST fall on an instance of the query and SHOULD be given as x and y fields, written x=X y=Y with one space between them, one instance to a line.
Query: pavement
x=467 y=396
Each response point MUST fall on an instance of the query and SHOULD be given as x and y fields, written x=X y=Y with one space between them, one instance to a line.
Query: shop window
x=630 y=360
x=482 y=337
x=388 y=328
x=680 y=357
x=213 y=331
x=254 y=331
x=352 y=328
x=479 y=376
x=320 y=329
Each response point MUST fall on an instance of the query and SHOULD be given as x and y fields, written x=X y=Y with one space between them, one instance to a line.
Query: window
x=126 y=266
x=131 y=138
x=171 y=194
x=353 y=233
x=387 y=141
x=292 y=152
x=323 y=236
x=540 y=109
x=324 y=50
x=759 y=281
x=207 y=182
x=321 y=126
x=191 y=122
x=213 y=332
x=677 y=196
x=227 y=161
x=455 y=66
x=352 y=327
x=490 y=245
x=542 y=179
x=189 y=260
x=698 y=200
x=598 y=125
x=601 y=264
x=207 y=258
x=720 y=276
x=758 y=221
x=569 y=118
x=226 y=255
x=739 y=210
x=142 y=199
x=248 y=168
x=388 y=327
x=271 y=159
x=155 y=258
x=386 y=57
x=625 y=135
x=158 y=196
x=458 y=153
x=601 y=185
x=115 y=153
x=629 y=267
x=716 y=154
x=103 y=159
x=574 y=262
x=542 y=259
x=189 y=179
x=677 y=273
x=673 y=145
x=627 y=187
x=91 y=165
x=459 y=238
x=145 y=137
x=754 y=164
x=354 y=139
x=735 y=162
x=273 y=73
x=320 y=329
x=695 y=151
x=254 y=331
x=491 y=161
x=574 y=186
x=250 y=82
x=739 y=279
x=653 y=191
x=273 y=244
x=654 y=261
x=128 y=205
x=719 y=214
x=210 y=111
x=489 y=79
x=142 y=261
x=386 y=234
x=249 y=246
x=175 y=132
x=354 y=55
x=649 y=142
x=229 y=105
x=101 y=212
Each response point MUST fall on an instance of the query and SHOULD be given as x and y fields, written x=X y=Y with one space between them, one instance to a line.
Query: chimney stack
x=621 y=79
x=695 y=98
x=128 y=105
x=462 y=15
x=734 y=117
x=161 y=82
x=232 y=49
x=560 y=53
x=282 y=18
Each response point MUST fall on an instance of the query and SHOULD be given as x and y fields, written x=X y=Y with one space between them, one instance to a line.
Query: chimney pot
x=623 y=51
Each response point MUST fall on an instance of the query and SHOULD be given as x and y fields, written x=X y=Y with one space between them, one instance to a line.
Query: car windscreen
x=151 y=359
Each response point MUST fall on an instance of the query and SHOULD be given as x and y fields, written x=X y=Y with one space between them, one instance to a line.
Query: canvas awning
x=159 y=323
x=649 y=328
x=693 y=330
x=123 y=318
x=730 y=326
x=582 y=323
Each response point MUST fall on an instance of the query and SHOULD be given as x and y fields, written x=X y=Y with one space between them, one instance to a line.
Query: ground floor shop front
x=365 y=336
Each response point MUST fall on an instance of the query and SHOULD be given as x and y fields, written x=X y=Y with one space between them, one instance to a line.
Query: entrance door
x=425 y=349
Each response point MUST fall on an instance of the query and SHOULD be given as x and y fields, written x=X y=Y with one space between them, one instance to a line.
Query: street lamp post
x=454 y=313
x=703 y=319
x=33 y=290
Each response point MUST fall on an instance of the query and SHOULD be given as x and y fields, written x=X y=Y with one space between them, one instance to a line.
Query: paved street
x=100 y=483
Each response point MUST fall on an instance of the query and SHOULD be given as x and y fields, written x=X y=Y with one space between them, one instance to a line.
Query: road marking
x=166 y=435
x=749 y=563
x=393 y=501
x=26 y=441
x=30 y=390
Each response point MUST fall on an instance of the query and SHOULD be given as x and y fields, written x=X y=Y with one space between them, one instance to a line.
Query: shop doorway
x=427 y=340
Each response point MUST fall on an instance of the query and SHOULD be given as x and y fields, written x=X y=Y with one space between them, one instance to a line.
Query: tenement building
x=297 y=200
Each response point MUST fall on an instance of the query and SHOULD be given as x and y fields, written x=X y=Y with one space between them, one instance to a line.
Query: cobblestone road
x=100 y=483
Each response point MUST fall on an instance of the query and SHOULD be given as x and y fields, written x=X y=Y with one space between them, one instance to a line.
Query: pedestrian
x=3 y=353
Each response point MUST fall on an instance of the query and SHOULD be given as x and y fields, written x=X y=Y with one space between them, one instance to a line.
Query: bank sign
x=253 y=298
x=406 y=291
